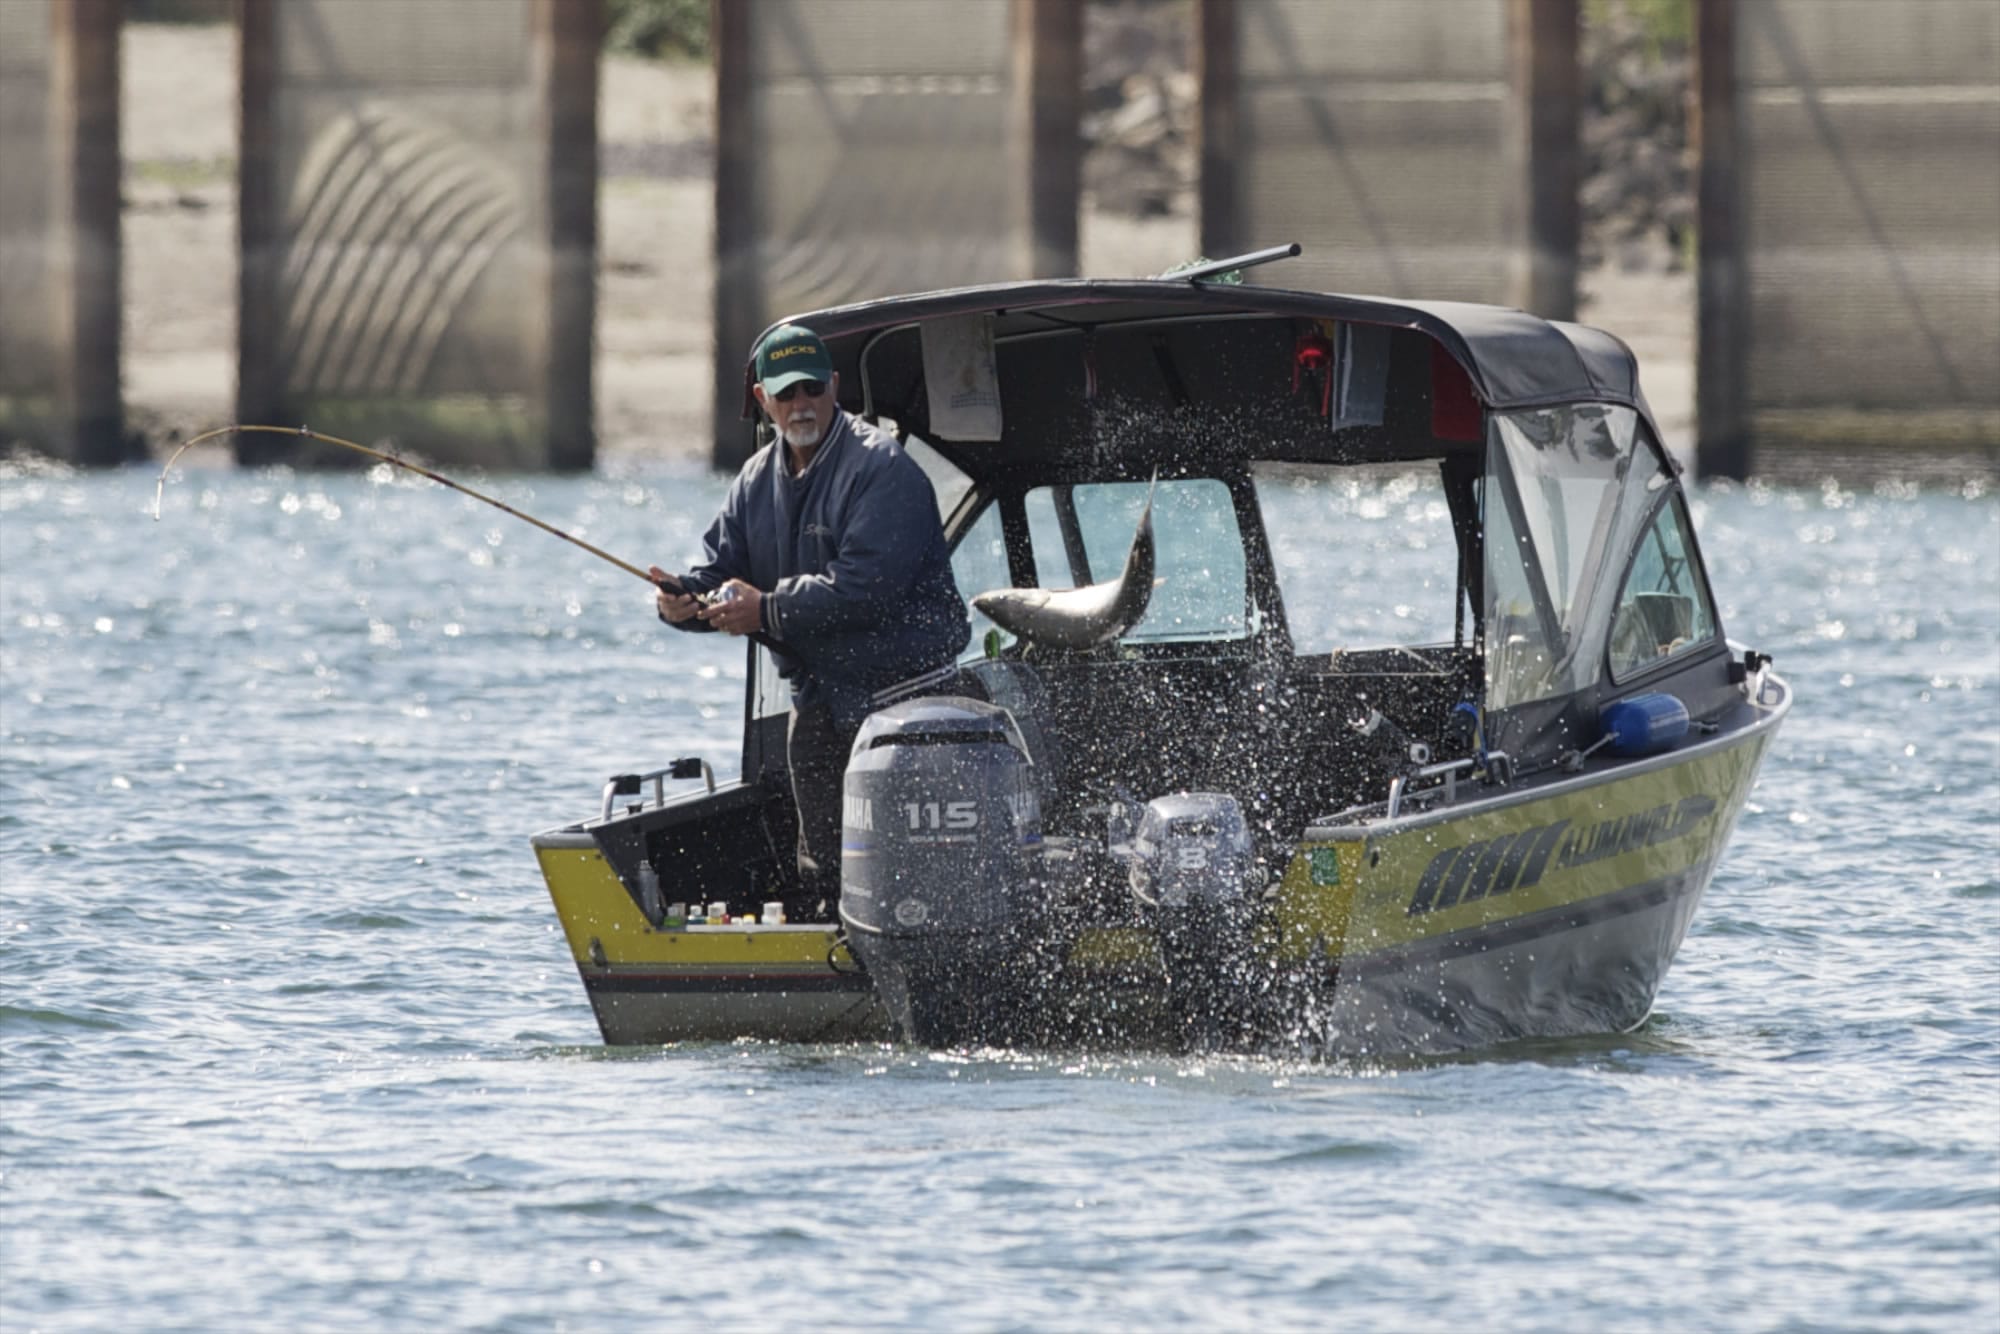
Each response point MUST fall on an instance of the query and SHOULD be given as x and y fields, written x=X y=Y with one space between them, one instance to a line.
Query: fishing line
x=160 y=489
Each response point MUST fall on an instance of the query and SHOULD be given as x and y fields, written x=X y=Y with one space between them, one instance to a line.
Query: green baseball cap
x=791 y=353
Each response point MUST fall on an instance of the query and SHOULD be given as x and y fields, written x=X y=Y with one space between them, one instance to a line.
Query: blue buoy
x=1643 y=724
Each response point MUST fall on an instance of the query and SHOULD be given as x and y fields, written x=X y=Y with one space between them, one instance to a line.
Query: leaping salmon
x=1080 y=617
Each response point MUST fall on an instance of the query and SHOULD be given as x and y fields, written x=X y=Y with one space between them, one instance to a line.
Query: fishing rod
x=160 y=489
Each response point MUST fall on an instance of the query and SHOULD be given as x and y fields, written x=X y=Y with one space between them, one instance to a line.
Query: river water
x=289 y=1039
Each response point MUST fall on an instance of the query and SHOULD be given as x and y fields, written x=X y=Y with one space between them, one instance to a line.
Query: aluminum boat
x=1346 y=679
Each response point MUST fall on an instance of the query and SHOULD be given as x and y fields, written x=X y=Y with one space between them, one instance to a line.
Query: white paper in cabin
x=960 y=379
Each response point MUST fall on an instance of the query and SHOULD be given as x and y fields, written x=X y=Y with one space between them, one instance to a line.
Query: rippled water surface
x=288 y=1036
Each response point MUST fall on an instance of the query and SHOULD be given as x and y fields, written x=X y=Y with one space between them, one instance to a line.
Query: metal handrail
x=1496 y=762
x=630 y=785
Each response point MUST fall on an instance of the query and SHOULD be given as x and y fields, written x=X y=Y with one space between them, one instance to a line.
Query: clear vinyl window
x=1364 y=553
x=1663 y=607
x=947 y=479
x=979 y=565
x=1564 y=491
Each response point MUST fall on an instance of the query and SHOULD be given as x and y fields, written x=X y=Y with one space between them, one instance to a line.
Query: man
x=829 y=546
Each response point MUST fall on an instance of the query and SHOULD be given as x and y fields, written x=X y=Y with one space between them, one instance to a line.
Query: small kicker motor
x=1194 y=872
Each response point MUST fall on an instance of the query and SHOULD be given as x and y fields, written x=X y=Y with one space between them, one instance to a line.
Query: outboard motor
x=1195 y=873
x=940 y=828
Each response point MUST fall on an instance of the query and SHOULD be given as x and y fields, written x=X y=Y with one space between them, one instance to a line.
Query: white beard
x=802 y=432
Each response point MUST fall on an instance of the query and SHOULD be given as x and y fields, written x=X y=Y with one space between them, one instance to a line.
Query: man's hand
x=673 y=605
x=735 y=609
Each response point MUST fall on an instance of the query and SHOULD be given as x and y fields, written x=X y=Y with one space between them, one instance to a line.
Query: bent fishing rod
x=301 y=432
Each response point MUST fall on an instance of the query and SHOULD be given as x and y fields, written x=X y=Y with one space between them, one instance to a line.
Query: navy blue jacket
x=851 y=559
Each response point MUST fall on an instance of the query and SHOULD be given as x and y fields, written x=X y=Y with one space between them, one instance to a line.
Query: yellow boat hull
x=703 y=982
x=1550 y=908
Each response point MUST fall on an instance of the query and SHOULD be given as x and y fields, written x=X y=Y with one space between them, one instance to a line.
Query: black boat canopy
x=1575 y=560
x=1213 y=348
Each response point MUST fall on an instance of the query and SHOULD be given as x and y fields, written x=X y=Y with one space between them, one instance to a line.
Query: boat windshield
x=1081 y=534
x=1364 y=553
x=1565 y=491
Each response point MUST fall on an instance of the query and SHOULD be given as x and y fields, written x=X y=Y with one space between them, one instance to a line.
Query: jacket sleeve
x=890 y=523
x=725 y=556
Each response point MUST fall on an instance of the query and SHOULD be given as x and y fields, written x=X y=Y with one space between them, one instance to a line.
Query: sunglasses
x=810 y=388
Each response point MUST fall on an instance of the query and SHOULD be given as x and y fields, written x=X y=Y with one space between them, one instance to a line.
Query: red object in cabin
x=1312 y=353
x=1456 y=413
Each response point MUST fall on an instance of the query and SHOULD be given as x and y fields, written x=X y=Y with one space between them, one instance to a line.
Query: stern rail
x=631 y=785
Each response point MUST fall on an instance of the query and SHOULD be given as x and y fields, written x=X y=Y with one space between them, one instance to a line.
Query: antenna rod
x=1216 y=268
